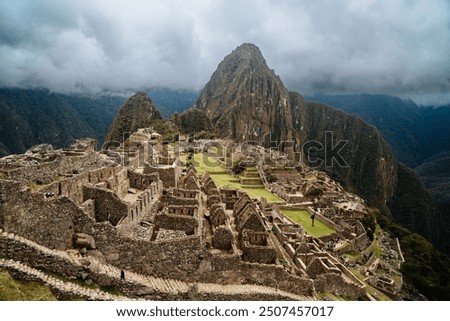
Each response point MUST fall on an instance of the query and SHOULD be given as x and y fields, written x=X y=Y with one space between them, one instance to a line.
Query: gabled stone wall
x=257 y=247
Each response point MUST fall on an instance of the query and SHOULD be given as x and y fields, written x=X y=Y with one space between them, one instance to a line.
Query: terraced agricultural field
x=222 y=178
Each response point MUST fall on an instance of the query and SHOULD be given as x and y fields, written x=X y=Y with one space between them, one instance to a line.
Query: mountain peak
x=244 y=97
x=247 y=51
x=245 y=57
x=137 y=112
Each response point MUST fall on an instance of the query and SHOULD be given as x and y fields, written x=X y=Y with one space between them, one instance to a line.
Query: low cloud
x=392 y=47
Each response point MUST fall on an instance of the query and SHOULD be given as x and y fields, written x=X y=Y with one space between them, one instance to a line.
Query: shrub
x=314 y=192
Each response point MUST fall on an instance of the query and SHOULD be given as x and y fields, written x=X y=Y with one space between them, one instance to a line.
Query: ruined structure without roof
x=177 y=235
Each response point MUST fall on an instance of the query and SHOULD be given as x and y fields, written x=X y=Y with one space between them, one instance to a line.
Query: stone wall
x=229 y=197
x=361 y=242
x=213 y=199
x=186 y=223
x=142 y=181
x=53 y=221
x=257 y=247
x=172 y=258
x=47 y=221
x=222 y=238
x=145 y=204
x=191 y=183
x=336 y=284
x=225 y=262
x=119 y=183
x=275 y=276
x=185 y=193
x=108 y=206
x=178 y=217
x=135 y=286
x=321 y=265
x=257 y=253
x=218 y=216
x=72 y=187
x=20 y=249
x=173 y=200
x=46 y=172
x=249 y=219
x=169 y=175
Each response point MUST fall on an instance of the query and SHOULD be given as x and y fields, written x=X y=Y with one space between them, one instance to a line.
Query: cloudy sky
x=397 y=47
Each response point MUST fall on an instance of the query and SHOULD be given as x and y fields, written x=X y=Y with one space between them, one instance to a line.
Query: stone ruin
x=133 y=208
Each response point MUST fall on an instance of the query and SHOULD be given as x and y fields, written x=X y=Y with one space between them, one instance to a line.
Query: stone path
x=175 y=287
x=70 y=289
x=168 y=288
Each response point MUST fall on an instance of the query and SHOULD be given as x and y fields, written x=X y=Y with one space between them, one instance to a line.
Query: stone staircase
x=251 y=177
x=175 y=289
x=153 y=285
x=67 y=289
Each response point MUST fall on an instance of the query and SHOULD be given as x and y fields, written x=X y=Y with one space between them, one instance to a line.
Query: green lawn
x=304 y=219
x=204 y=163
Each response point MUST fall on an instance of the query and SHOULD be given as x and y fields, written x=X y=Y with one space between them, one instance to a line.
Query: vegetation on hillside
x=14 y=290
x=425 y=267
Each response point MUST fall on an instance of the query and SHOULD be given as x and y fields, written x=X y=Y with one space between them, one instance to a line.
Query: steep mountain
x=414 y=133
x=97 y=110
x=33 y=116
x=192 y=121
x=23 y=112
x=369 y=164
x=245 y=100
x=137 y=112
x=435 y=174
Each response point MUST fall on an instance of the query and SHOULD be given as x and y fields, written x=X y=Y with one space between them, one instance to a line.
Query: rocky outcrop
x=369 y=167
x=192 y=121
x=137 y=112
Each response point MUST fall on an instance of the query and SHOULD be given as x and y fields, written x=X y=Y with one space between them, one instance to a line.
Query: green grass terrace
x=303 y=218
x=204 y=163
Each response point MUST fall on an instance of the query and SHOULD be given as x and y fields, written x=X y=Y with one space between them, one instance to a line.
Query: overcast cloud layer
x=353 y=46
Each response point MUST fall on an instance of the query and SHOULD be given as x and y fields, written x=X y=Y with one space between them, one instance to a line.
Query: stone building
x=257 y=247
